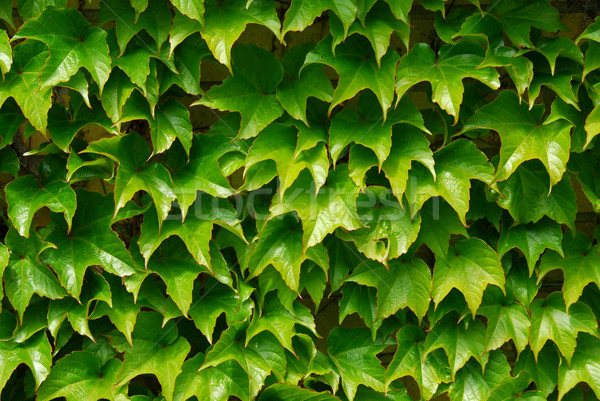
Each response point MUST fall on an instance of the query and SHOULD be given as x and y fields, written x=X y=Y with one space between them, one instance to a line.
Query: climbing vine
x=306 y=200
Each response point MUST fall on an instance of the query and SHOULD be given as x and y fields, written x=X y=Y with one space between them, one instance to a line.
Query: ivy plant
x=351 y=200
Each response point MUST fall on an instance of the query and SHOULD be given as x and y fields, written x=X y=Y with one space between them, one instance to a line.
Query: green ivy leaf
x=25 y=275
x=280 y=244
x=361 y=160
x=405 y=283
x=211 y=303
x=87 y=166
x=178 y=270
x=4 y=258
x=389 y=229
x=11 y=118
x=33 y=320
x=117 y=90
x=378 y=26
x=6 y=12
x=139 y=6
x=517 y=19
x=353 y=352
x=454 y=63
x=333 y=206
x=521 y=284
x=21 y=83
x=224 y=23
x=128 y=24
x=435 y=5
x=249 y=91
x=408 y=145
x=314 y=279
x=362 y=301
x=472 y=383
x=453 y=177
x=298 y=365
x=552 y=48
x=439 y=223
x=196 y=232
x=149 y=294
x=257 y=359
x=170 y=120
x=282 y=391
x=65 y=123
x=36 y=353
x=583 y=367
x=133 y=174
x=527 y=196
x=202 y=172
x=303 y=13
x=216 y=383
x=524 y=136
x=139 y=62
x=89 y=242
x=471 y=258
x=5 y=53
x=592 y=125
x=591 y=32
x=543 y=368
x=357 y=67
x=123 y=312
x=25 y=197
x=191 y=8
x=80 y=376
x=318 y=130
x=73 y=44
x=460 y=341
x=278 y=143
x=297 y=86
x=33 y=8
x=344 y=257
x=156 y=350
x=277 y=320
x=585 y=165
x=560 y=83
x=551 y=321
x=515 y=387
x=592 y=59
x=96 y=289
x=579 y=265
x=271 y=280
x=187 y=61
x=563 y=110
x=182 y=28
x=518 y=67
x=506 y=320
x=409 y=360
x=531 y=239
x=397 y=393
x=368 y=127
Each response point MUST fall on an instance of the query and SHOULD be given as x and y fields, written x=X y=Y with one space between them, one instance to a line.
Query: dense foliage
x=332 y=211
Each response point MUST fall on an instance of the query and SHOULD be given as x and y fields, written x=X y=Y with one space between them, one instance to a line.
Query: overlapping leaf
x=72 y=43
x=358 y=69
x=524 y=136
x=470 y=258
x=249 y=91
x=225 y=22
x=22 y=83
x=453 y=64
x=133 y=174
x=90 y=241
